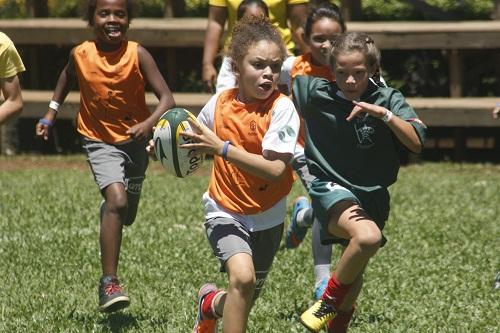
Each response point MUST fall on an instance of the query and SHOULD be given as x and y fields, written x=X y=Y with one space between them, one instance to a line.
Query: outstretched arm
x=403 y=130
x=160 y=88
x=13 y=103
x=215 y=27
x=66 y=81
x=271 y=167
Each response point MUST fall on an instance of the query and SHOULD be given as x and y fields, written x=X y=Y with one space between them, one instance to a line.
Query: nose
x=268 y=72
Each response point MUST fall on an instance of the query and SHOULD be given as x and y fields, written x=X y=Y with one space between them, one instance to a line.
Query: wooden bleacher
x=453 y=38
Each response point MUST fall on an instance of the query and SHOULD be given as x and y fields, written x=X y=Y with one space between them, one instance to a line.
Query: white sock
x=304 y=217
x=321 y=272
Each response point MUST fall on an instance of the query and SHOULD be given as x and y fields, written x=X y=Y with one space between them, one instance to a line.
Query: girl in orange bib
x=251 y=131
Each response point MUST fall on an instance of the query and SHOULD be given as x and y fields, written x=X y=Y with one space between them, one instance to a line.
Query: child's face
x=351 y=74
x=259 y=70
x=111 y=21
x=322 y=31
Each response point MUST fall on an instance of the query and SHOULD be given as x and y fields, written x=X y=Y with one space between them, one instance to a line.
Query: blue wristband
x=45 y=122
x=225 y=149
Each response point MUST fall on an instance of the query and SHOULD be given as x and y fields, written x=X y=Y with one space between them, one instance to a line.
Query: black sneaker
x=111 y=296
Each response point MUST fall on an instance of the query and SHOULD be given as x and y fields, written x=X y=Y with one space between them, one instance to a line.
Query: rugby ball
x=177 y=161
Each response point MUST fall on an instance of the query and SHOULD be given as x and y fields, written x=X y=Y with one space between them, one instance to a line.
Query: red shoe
x=205 y=325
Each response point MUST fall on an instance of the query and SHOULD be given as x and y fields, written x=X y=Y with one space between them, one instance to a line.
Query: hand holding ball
x=167 y=139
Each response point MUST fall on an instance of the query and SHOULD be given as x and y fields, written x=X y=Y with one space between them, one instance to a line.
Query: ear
x=234 y=68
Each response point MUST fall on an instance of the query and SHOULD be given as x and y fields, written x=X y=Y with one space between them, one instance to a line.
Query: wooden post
x=496 y=10
x=351 y=10
x=173 y=8
x=455 y=72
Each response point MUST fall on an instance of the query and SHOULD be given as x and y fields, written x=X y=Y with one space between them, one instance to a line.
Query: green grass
x=434 y=275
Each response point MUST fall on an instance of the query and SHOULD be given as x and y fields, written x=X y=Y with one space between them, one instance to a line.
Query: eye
x=276 y=67
x=121 y=14
x=259 y=65
x=103 y=13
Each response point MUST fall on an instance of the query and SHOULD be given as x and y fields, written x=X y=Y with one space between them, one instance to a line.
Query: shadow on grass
x=119 y=322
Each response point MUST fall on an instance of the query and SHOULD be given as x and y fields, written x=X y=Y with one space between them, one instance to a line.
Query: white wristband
x=54 y=105
x=387 y=116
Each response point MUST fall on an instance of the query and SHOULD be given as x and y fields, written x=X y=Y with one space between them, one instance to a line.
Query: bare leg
x=238 y=301
x=350 y=221
x=114 y=214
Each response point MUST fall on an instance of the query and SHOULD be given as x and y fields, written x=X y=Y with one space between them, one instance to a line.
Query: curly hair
x=250 y=30
x=92 y=5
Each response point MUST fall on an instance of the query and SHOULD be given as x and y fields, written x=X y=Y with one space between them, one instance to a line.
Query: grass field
x=434 y=275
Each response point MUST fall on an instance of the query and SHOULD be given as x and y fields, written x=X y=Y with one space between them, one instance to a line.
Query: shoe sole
x=116 y=304
x=308 y=328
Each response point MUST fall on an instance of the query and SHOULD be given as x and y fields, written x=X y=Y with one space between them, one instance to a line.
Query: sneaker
x=317 y=316
x=294 y=233
x=496 y=283
x=203 y=325
x=320 y=287
x=111 y=296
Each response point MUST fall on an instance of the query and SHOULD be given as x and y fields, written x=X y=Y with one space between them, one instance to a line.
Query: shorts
x=126 y=163
x=325 y=194
x=228 y=237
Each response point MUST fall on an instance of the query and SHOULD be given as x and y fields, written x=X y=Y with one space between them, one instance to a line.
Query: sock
x=321 y=272
x=305 y=217
x=340 y=322
x=207 y=305
x=335 y=292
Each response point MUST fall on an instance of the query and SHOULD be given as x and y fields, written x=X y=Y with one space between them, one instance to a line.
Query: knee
x=243 y=281
x=117 y=204
x=369 y=241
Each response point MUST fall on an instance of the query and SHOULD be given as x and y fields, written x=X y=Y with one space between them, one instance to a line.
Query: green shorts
x=325 y=194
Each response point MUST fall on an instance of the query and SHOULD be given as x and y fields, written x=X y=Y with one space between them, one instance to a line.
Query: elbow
x=276 y=174
x=416 y=147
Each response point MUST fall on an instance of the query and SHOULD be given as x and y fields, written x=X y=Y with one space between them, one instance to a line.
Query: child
x=288 y=16
x=322 y=25
x=226 y=78
x=251 y=131
x=115 y=124
x=10 y=65
x=353 y=131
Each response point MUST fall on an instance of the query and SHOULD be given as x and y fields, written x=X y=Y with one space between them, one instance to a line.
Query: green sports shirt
x=361 y=154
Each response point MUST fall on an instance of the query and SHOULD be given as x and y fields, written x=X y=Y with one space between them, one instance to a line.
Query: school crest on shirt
x=365 y=131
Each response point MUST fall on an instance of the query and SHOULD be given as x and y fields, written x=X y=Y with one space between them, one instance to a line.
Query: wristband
x=54 y=105
x=45 y=122
x=225 y=149
x=387 y=116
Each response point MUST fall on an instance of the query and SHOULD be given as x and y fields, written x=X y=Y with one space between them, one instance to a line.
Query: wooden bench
x=434 y=112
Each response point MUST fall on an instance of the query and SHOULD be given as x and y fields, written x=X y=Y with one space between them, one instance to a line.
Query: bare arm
x=215 y=27
x=403 y=130
x=271 y=167
x=160 y=88
x=13 y=104
x=66 y=81
x=297 y=15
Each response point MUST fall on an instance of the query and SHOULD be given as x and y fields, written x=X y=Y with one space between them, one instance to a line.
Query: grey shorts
x=228 y=237
x=325 y=194
x=126 y=163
